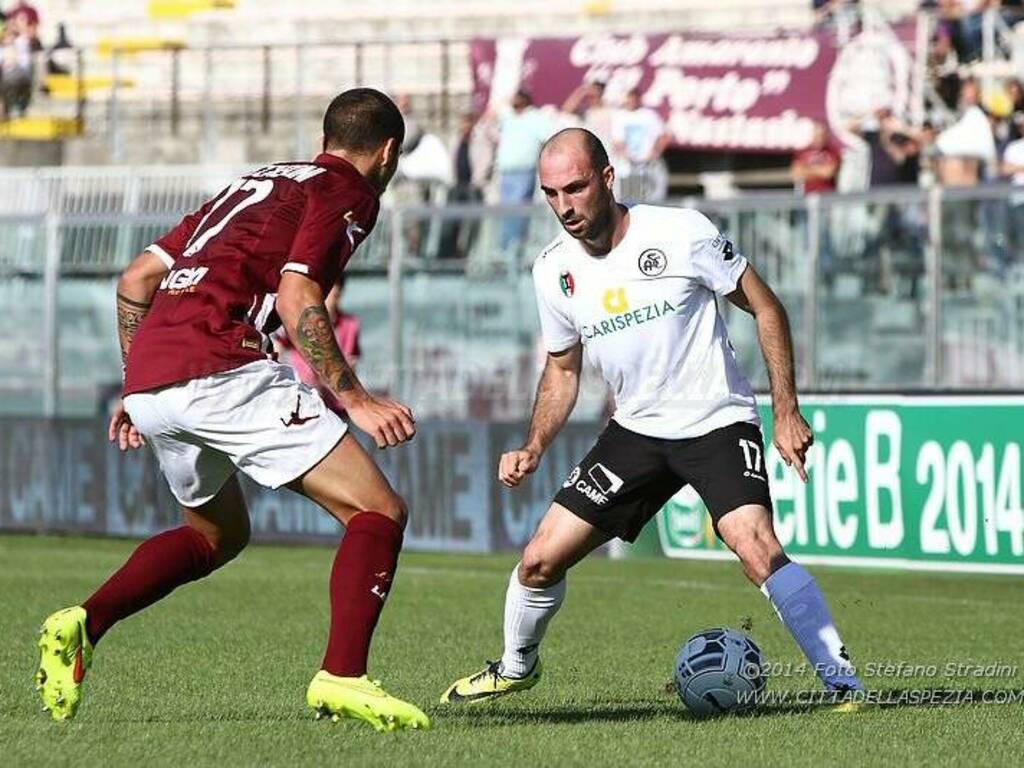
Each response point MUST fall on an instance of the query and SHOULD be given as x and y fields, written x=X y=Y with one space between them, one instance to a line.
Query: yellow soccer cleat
x=65 y=653
x=848 y=700
x=488 y=684
x=362 y=699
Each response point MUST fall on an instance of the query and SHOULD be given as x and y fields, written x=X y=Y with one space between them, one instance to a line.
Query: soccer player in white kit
x=636 y=290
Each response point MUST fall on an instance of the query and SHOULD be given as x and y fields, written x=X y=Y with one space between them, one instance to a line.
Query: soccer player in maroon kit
x=203 y=388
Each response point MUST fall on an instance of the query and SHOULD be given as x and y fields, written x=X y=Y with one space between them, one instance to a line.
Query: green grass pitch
x=216 y=674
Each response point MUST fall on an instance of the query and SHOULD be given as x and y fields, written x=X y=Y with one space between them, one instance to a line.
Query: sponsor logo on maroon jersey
x=183 y=280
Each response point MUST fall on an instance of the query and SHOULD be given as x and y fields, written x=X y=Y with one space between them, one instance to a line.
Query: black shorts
x=627 y=477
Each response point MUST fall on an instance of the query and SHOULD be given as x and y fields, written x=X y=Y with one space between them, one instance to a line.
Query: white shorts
x=259 y=418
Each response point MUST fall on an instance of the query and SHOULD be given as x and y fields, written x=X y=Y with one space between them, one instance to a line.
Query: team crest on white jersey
x=652 y=262
x=567 y=283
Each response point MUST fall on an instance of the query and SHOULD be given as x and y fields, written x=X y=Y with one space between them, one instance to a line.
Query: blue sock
x=795 y=596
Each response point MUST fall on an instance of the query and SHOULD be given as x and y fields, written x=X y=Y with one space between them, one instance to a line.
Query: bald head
x=580 y=145
x=576 y=179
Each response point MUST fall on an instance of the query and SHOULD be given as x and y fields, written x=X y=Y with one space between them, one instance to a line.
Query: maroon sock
x=156 y=567
x=360 y=581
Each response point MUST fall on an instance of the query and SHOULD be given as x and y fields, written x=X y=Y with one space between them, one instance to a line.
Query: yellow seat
x=38 y=128
x=129 y=46
x=67 y=86
x=177 y=9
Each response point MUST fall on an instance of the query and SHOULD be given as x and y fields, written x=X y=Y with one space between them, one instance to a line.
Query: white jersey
x=648 y=320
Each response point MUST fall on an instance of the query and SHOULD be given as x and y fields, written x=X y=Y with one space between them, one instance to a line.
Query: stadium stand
x=258 y=62
x=865 y=309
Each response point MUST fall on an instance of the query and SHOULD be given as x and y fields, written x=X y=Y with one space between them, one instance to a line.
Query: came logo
x=604 y=478
x=652 y=262
x=183 y=280
x=567 y=284
x=614 y=301
x=602 y=483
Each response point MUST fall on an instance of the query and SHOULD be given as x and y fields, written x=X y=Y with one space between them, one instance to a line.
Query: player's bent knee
x=760 y=558
x=396 y=509
x=755 y=566
x=227 y=544
x=538 y=572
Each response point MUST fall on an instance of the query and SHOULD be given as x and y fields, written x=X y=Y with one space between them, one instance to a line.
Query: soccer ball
x=719 y=671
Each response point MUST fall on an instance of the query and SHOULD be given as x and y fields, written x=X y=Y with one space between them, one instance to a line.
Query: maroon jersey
x=214 y=310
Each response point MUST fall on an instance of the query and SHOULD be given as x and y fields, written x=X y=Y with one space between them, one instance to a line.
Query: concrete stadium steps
x=240 y=81
x=264 y=21
x=417 y=69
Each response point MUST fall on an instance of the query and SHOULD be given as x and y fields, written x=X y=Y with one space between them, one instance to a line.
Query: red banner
x=758 y=92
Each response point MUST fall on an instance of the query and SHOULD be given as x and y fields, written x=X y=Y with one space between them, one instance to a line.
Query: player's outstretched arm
x=300 y=305
x=135 y=289
x=556 y=395
x=791 y=434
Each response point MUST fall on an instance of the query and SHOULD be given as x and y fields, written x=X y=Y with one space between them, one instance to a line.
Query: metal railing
x=253 y=90
x=901 y=288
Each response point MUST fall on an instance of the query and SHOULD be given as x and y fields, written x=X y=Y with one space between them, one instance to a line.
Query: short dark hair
x=361 y=119
x=592 y=145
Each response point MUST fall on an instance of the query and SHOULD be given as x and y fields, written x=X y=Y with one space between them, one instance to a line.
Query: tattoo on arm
x=315 y=336
x=130 y=314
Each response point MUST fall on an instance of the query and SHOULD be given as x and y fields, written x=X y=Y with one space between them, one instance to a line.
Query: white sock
x=527 y=613
x=795 y=596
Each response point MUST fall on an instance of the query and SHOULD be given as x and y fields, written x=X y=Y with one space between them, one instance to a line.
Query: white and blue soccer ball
x=719 y=671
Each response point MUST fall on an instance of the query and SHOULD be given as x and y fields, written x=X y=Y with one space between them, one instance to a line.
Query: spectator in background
x=893 y=246
x=894 y=149
x=1012 y=11
x=967 y=149
x=1015 y=95
x=423 y=174
x=346 y=331
x=27 y=17
x=587 y=104
x=1012 y=166
x=928 y=157
x=470 y=165
x=413 y=129
x=940 y=48
x=521 y=132
x=16 y=66
x=966 y=19
x=639 y=140
x=839 y=15
x=814 y=168
x=60 y=57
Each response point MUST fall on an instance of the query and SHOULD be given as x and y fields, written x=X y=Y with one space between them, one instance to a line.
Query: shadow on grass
x=503 y=713
x=607 y=712
x=798 y=703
